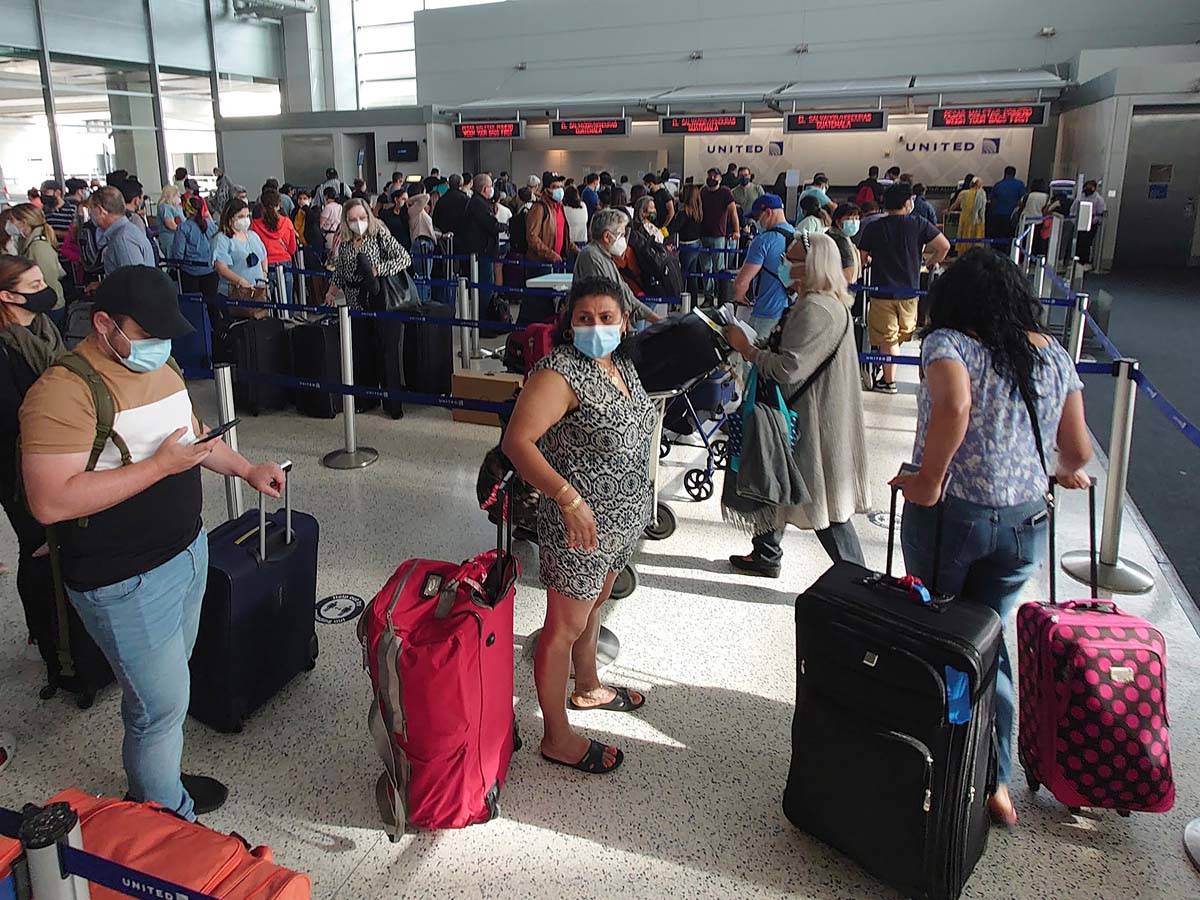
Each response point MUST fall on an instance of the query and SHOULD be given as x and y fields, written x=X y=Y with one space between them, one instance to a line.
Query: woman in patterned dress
x=580 y=434
x=366 y=252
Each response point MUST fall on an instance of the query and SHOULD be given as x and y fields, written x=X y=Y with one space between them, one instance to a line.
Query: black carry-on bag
x=257 y=625
x=317 y=356
x=893 y=753
x=259 y=346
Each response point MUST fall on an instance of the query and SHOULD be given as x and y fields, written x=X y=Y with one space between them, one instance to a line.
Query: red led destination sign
x=738 y=123
x=836 y=120
x=1006 y=115
x=589 y=127
x=486 y=131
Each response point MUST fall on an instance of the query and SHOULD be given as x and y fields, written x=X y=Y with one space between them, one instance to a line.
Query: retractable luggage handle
x=937 y=537
x=1052 y=564
x=287 y=506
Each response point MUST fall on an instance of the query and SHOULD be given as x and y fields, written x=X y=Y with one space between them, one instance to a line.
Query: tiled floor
x=694 y=812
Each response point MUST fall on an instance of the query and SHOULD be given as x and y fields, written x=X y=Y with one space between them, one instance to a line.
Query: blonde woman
x=812 y=356
x=366 y=253
x=36 y=242
x=170 y=217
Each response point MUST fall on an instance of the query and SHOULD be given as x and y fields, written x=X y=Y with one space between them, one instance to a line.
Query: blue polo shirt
x=767 y=250
x=1006 y=194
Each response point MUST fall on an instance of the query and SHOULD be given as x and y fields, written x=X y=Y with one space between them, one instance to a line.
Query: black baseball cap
x=146 y=295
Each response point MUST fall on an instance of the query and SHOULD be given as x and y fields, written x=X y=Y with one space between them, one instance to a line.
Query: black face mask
x=40 y=301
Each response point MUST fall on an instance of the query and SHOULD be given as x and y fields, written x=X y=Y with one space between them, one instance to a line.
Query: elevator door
x=1161 y=189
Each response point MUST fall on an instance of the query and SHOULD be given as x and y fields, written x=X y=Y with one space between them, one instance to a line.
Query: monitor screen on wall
x=403 y=151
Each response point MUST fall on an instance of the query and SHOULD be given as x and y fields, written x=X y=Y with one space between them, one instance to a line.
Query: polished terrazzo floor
x=694 y=812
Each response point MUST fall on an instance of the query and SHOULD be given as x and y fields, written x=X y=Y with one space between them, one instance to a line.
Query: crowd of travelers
x=135 y=575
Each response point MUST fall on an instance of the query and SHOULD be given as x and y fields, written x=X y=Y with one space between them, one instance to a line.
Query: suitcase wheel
x=664 y=447
x=85 y=699
x=394 y=838
x=625 y=583
x=314 y=650
x=698 y=483
x=665 y=527
x=48 y=691
x=1033 y=783
x=1074 y=810
x=1123 y=813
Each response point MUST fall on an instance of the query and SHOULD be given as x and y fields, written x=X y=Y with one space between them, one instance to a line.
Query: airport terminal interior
x=677 y=291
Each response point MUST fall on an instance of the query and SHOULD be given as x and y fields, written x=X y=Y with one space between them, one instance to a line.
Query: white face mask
x=617 y=247
x=488 y=193
x=242 y=225
x=12 y=229
x=359 y=226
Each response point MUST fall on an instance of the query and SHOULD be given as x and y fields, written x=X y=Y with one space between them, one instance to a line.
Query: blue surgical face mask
x=785 y=272
x=557 y=195
x=145 y=355
x=596 y=341
x=850 y=227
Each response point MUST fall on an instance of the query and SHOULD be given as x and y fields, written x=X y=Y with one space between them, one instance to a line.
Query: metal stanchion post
x=1075 y=327
x=223 y=378
x=1038 y=278
x=43 y=833
x=473 y=308
x=685 y=301
x=351 y=456
x=1014 y=252
x=301 y=285
x=461 y=310
x=1115 y=574
x=281 y=292
x=1029 y=241
x=1076 y=279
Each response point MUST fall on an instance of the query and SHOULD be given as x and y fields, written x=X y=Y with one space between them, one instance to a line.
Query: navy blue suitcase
x=257 y=625
x=195 y=350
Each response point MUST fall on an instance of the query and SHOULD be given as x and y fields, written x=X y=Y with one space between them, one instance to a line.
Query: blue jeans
x=714 y=262
x=690 y=261
x=987 y=555
x=146 y=626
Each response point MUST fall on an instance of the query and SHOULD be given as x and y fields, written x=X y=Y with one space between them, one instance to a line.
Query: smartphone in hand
x=218 y=431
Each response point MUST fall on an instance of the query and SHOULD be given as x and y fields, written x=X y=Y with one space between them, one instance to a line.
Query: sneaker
x=754 y=565
x=208 y=794
x=886 y=387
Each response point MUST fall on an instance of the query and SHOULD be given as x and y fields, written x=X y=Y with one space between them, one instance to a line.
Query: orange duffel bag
x=149 y=839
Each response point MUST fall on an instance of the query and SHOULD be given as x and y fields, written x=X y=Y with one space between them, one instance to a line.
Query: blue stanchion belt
x=880 y=359
x=1181 y=422
x=394 y=315
x=985 y=240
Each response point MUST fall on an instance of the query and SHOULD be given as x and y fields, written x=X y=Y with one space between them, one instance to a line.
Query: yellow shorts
x=891 y=321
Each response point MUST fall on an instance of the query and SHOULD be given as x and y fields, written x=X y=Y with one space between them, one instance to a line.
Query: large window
x=386 y=49
x=188 y=122
x=242 y=95
x=105 y=114
x=24 y=132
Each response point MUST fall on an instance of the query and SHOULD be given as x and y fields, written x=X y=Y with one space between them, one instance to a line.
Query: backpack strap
x=106 y=410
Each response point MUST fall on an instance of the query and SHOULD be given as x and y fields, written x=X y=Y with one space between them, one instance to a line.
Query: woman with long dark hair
x=580 y=435
x=29 y=343
x=686 y=225
x=996 y=392
x=278 y=235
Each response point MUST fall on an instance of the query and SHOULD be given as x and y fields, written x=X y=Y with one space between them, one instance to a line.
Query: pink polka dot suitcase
x=1093 y=702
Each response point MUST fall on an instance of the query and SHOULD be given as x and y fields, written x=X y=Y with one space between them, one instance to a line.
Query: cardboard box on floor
x=497 y=386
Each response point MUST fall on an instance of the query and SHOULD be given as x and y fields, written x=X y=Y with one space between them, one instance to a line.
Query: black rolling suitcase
x=893 y=754
x=429 y=351
x=73 y=661
x=259 y=345
x=257 y=625
x=317 y=356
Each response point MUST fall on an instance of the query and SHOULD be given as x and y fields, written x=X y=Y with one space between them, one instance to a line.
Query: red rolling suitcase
x=1093 y=700
x=438 y=644
x=539 y=341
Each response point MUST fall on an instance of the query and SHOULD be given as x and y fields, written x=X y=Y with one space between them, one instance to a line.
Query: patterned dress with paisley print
x=603 y=449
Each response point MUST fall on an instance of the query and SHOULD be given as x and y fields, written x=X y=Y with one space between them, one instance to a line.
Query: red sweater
x=280 y=243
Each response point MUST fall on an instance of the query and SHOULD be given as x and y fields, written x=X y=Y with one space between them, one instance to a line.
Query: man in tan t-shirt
x=136 y=571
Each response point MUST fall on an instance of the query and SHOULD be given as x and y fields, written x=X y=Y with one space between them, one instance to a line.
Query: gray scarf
x=39 y=344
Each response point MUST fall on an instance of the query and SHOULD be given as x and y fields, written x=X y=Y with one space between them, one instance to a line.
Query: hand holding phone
x=218 y=431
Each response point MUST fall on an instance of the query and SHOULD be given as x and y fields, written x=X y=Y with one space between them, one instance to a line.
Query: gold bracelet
x=559 y=492
x=574 y=504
